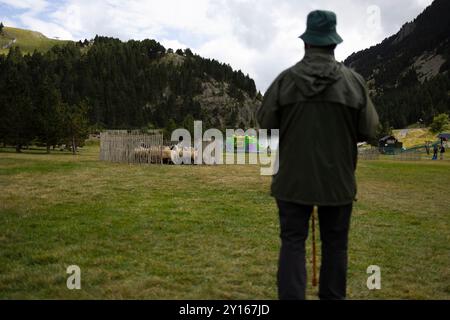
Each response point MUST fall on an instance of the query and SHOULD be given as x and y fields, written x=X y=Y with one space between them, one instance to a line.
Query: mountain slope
x=135 y=84
x=408 y=73
x=27 y=40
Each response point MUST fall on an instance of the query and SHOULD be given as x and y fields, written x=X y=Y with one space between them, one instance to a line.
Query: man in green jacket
x=322 y=110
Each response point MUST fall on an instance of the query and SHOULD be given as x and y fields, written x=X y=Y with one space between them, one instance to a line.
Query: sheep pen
x=140 y=148
x=133 y=147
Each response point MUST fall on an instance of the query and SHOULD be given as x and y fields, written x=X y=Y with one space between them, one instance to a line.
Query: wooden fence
x=397 y=154
x=413 y=155
x=131 y=147
x=368 y=154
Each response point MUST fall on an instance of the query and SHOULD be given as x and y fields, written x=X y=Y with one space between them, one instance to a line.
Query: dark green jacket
x=323 y=110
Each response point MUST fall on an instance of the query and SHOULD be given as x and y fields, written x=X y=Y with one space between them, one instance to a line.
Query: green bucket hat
x=321 y=29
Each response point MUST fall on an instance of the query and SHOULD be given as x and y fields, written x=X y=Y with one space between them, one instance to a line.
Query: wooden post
x=314 y=277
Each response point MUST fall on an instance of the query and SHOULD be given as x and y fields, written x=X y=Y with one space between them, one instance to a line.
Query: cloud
x=260 y=37
x=50 y=29
x=173 y=44
x=33 y=5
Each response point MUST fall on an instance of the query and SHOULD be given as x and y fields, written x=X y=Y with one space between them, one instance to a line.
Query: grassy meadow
x=415 y=136
x=27 y=40
x=199 y=232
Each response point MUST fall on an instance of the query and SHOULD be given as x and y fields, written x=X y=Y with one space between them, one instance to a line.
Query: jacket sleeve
x=268 y=113
x=368 y=118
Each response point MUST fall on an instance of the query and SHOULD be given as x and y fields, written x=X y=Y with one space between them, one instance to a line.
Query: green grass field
x=190 y=232
x=27 y=40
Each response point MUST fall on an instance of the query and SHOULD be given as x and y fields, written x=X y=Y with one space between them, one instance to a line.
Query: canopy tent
x=444 y=136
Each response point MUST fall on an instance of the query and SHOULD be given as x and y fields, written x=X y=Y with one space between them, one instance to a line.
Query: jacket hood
x=316 y=72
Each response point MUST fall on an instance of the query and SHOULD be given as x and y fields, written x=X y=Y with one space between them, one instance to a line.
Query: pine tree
x=170 y=127
x=188 y=52
x=17 y=113
x=440 y=123
x=48 y=115
x=76 y=126
x=188 y=124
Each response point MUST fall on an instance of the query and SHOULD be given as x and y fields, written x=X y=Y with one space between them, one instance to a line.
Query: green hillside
x=414 y=137
x=27 y=40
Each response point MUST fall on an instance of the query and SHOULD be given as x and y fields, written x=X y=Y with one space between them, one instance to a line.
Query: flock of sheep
x=165 y=154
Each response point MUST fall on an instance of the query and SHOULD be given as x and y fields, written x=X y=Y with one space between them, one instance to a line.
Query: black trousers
x=334 y=225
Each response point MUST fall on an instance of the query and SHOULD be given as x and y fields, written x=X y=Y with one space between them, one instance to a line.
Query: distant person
x=442 y=151
x=435 y=152
x=323 y=110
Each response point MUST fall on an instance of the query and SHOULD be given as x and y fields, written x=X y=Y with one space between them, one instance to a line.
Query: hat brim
x=320 y=39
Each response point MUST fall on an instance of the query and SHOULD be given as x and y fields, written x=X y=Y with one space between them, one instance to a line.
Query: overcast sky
x=260 y=37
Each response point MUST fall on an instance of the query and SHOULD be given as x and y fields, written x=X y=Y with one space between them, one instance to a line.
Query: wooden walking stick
x=314 y=277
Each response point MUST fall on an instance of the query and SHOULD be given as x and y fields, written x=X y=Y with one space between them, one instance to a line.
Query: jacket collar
x=321 y=53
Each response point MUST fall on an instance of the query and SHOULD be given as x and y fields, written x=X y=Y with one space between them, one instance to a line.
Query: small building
x=389 y=145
